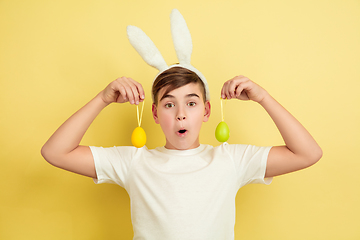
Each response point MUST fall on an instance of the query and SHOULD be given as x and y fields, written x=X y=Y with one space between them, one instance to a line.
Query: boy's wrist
x=100 y=100
x=266 y=99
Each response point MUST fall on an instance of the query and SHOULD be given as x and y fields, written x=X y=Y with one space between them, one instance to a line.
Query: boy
x=184 y=190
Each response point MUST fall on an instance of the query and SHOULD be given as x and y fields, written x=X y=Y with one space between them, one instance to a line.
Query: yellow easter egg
x=138 y=137
x=222 y=132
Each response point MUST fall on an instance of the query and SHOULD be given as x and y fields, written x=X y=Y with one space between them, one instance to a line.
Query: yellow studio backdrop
x=57 y=55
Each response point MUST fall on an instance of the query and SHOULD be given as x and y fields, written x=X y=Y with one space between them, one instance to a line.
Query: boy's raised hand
x=300 y=149
x=63 y=149
x=243 y=88
x=123 y=90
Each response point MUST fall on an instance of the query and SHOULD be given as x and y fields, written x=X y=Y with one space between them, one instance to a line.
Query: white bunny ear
x=181 y=37
x=146 y=48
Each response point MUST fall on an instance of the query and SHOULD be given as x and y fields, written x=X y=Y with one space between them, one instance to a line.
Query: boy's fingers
x=128 y=92
x=133 y=98
x=247 y=90
x=125 y=89
x=232 y=88
x=227 y=90
x=135 y=94
x=238 y=92
x=138 y=91
x=224 y=91
x=122 y=91
x=141 y=92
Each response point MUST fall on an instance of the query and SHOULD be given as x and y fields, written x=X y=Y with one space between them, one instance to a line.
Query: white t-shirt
x=185 y=195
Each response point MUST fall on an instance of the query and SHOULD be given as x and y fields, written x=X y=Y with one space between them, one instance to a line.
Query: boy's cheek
x=166 y=128
x=163 y=120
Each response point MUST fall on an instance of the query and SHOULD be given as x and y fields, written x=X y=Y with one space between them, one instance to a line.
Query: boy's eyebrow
x=188 y=95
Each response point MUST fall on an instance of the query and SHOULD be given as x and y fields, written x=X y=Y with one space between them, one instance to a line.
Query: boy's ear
x=154 y=113
x=207 y=111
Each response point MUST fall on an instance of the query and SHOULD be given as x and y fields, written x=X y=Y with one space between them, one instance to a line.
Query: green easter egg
x=222 y=132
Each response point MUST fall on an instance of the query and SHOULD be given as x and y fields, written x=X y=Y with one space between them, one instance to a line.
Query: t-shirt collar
x=182 y=152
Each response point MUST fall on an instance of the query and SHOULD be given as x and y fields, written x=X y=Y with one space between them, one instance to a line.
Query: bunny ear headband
x=182 y=43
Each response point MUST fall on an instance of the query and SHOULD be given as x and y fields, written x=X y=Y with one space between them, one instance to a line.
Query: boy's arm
x=63 y=150
x=300 y=150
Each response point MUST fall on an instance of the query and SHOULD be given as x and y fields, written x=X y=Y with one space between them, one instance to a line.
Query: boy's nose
x=180 y=114
x=180 y=117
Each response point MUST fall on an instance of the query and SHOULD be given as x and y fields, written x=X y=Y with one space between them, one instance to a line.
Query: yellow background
x=56 y=55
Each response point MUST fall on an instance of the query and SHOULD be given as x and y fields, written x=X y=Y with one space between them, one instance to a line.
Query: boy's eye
x=169 y=105
x=191 y=104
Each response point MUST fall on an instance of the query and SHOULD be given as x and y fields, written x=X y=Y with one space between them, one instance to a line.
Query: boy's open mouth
x=182 y=132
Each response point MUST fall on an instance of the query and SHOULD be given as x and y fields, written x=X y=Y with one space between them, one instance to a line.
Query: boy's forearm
x=297 y=139
x=68 y=136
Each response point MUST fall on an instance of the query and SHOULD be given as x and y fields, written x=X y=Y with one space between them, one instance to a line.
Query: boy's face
x=180 y=114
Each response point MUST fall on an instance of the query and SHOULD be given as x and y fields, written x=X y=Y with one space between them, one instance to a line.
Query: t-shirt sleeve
x=250 y=163
x=112 y=164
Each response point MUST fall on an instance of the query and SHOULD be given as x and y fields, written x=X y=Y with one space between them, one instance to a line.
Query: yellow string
x=222 y=111
x=137 y=113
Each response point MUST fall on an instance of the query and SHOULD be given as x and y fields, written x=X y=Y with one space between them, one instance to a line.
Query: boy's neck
x=185 y=146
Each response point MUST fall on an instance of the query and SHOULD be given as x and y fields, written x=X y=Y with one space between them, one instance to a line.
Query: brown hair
x=174 y=78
